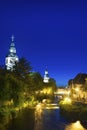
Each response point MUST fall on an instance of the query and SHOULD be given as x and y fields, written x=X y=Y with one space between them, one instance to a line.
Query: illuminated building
x=11 y=58
x=46 y=77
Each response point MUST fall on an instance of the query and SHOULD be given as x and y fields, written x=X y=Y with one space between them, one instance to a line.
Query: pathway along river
x=42 y=119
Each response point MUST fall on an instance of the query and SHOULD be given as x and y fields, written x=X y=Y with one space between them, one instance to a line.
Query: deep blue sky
x=47 y=33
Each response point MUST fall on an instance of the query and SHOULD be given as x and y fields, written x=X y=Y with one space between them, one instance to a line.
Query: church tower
x=11 y=58
x=46 y=76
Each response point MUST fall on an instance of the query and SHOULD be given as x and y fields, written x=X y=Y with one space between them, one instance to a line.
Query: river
x=42 y=119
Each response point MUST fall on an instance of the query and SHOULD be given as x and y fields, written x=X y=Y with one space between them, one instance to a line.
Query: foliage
x=19 y=87
x=36 y=81
x=22 y=68
x=51 y=84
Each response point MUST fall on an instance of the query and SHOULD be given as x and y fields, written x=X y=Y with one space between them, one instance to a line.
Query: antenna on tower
x=12 y=38
x=46 y=67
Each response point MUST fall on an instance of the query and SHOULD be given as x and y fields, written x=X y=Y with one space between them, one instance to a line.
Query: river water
x=42 y=119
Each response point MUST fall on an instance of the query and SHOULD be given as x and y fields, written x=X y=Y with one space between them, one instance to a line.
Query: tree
x=22 y=68
x=4 y=85
x=49 y=89
x=52 y=84
x=36 y=81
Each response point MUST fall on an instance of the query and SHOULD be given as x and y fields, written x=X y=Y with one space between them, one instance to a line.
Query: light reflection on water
x=75 y=126
x=42 y=119
x=51 y=120
x=38 y=117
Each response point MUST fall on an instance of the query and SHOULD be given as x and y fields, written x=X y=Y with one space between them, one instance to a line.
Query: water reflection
x=38 y=117
x=50 y=119
x=42 y=119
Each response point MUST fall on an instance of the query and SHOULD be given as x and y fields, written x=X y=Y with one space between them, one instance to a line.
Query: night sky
x=47 y=33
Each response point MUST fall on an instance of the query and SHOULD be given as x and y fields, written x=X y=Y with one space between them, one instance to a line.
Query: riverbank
x=42 y=119
x=74 y=111
x=9 y=113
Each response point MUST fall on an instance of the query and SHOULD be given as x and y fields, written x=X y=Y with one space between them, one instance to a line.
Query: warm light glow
x=38 y=107
x=68 y=92
x=67 y=100
x=46 y=91
x=44 y=100
x=75 y=126
x=38 y=116
x=25 y=105
x=62 y=91
x=52 y=106
x=76 y=89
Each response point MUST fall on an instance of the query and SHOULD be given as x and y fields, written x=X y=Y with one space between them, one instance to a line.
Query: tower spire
x=11 y=58
x=12 y=38
x=46 y=67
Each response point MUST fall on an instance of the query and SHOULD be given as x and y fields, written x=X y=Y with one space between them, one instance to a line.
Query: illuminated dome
x=12 y=48
x=11 y=58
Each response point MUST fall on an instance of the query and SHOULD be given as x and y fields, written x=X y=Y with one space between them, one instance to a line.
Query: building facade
x=46 y=77
x=11 y=58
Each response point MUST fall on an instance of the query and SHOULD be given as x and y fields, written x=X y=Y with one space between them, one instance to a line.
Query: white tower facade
x=11 y=58
x=46 y=77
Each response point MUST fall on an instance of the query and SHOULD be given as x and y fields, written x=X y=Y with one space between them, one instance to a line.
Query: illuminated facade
x=46 y=77
x=11 y=58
